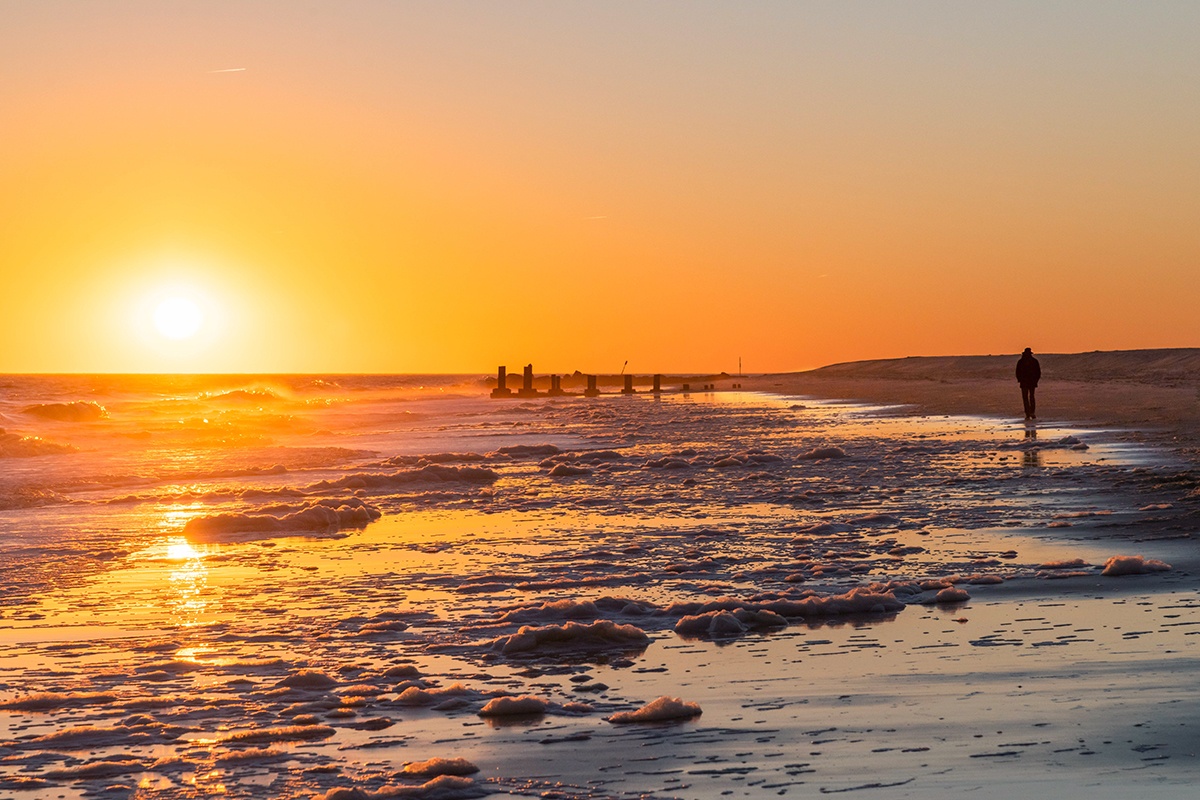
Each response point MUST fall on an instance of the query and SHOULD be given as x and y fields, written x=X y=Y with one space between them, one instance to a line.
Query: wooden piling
x=502 y=389
x=527 y=389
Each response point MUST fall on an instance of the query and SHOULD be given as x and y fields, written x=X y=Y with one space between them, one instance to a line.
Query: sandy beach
x=1153 y=394
x=400 y=588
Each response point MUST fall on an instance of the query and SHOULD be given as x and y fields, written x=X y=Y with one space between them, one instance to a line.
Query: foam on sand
x=1133 y=565
x=822 y=453
x=53 y=701
x=321 y=516
x=451 y=696
x=443 y=787
x=664 y=709
x=96 y=770
x=553 y=610
x=514 y=706
x=90 y=737
x=434 y=767
x=286 y=733
x=859 y=600
x=568 y=471
x=601 y=635
x=430 y=474
x=952 y=594
x=728 y=623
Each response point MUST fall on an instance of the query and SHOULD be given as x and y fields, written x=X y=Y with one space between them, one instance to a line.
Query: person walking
x=1029 y=372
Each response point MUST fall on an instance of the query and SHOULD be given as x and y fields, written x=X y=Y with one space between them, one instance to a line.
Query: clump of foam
x=604 y=634
x=447 y=697
x=254 y=756
x=952 y=594
x=431 y=458
x=514 y=706
x=440 y=766
x=728 y=623
x=53 y=701
x=873 y=599
x=568 y=471
x=95 y=770
x=414 y=696
x=664 y=709
x=1133 y=565
x=526 y=450
x=322 y=516
x=90 y=737
x=382 y=627
x=402 y=671
x=443 y=787
x=554 y=610
x=429 y=474
x=751 y=458
x=287 y=733
x=822 y=453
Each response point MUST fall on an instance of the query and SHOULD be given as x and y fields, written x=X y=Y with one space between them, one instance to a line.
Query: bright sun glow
x=181 y=551
x=178 y=318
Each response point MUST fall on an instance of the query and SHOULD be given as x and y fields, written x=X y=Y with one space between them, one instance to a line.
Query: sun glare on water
x=178 y=318
x=181 y=550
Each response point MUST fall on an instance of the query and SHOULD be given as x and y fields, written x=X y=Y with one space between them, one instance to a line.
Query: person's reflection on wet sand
x=1033 y=455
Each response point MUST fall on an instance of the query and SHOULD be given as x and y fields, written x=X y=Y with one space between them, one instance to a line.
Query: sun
x=178 y=317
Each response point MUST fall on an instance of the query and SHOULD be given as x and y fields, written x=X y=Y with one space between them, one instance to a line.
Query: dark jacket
x=1029 y=371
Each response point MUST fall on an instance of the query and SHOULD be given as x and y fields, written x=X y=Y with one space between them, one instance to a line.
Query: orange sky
x=440 y=187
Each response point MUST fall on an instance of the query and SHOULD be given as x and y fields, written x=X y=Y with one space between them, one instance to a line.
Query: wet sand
x=856 y=600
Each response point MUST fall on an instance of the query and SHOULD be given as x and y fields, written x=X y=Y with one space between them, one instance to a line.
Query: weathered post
x=628 y=385
x=556 y=389
x=527 y=389
x=657 y=384
x=591 y=390
x=501 y=389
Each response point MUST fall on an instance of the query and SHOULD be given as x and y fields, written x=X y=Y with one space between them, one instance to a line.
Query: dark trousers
x=1030 y=402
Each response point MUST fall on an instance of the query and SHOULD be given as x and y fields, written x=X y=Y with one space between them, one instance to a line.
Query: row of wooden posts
x=556 y=389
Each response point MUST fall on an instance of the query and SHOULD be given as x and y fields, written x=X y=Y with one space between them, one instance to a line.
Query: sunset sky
x=444 y=187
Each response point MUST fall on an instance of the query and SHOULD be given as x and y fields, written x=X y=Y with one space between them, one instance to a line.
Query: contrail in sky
x=232 y=69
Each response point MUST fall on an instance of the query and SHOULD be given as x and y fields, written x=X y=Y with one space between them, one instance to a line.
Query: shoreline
x=1100 y=390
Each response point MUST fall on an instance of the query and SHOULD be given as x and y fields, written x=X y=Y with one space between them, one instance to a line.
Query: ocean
x=369 y=586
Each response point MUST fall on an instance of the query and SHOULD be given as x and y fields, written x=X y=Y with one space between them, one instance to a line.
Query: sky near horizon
x=444 y=187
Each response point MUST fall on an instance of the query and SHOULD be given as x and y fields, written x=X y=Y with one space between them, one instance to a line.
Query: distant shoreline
x=1153 y=393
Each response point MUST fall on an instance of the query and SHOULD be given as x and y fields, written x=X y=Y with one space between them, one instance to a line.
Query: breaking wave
x=79 y=411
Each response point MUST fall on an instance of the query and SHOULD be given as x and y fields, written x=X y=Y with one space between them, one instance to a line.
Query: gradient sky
x=444 y=187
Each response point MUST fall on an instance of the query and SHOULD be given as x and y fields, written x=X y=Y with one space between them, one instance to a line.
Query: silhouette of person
x=1029 y=372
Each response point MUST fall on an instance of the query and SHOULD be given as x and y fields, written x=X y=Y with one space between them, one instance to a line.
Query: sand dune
x=1154 y=392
